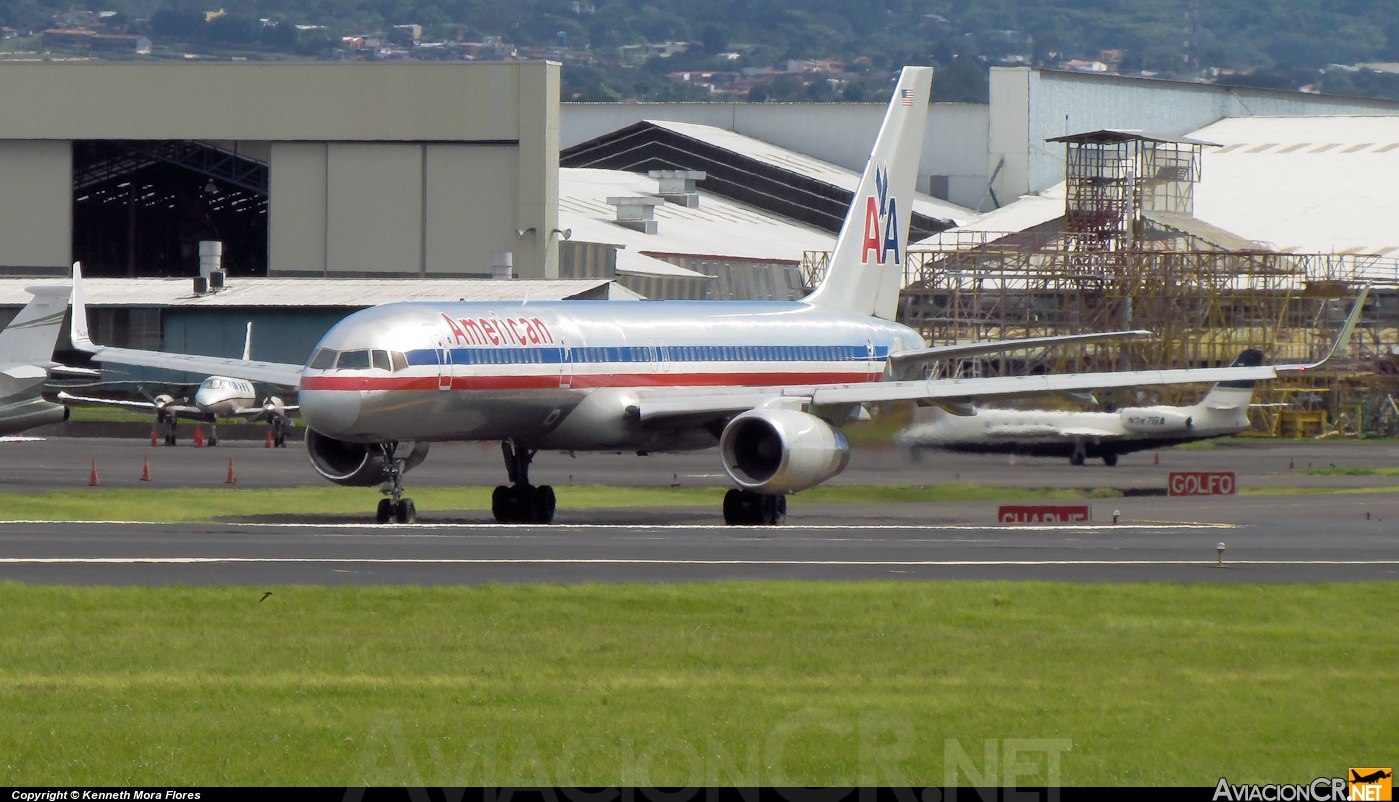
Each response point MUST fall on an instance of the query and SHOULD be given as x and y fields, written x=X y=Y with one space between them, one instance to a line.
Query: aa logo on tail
x=1372 y=785
x=881 y=217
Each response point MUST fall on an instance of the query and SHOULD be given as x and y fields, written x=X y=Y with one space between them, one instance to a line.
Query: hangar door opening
x=141 y=207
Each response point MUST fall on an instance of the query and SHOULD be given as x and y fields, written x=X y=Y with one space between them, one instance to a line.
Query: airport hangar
x=394 y=173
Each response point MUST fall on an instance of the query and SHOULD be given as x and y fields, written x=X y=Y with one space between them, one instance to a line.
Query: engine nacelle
x=777 y=451
x=1156 y=420
x=356 y=464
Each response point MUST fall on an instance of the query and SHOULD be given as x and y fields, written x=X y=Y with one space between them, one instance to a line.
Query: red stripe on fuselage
x=585 y=381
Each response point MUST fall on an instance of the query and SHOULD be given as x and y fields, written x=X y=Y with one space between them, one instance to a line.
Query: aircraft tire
x=544 y=504
x=405 y=512
x=213 y=441
x=385 y=511
x=1076 y=459
x=1110 y=459
x=733 y=514
x=501 y=504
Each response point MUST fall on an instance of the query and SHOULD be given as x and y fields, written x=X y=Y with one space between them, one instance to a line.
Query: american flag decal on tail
x=906 y=97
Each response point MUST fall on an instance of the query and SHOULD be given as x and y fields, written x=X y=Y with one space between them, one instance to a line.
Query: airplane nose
x=330 y=411
x=202 y=397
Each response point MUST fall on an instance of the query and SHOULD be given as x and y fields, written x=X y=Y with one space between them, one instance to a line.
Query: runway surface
x=820 y=542
x=1282 y=538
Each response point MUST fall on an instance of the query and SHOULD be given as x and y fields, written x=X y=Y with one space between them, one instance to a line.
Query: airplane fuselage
x=562 y=375
x=1050 y=433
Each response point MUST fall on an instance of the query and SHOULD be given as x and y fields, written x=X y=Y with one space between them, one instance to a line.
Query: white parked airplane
x=217 y=397
x=1106 y=435
x=770 y=383
x=26 y=361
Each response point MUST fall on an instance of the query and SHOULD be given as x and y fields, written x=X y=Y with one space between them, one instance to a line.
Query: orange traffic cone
x=1157 y=461
x=198 y=437
x=146 y=468
x=231 y=480
x=92 y=480
x=153 y=440
x=268 y=444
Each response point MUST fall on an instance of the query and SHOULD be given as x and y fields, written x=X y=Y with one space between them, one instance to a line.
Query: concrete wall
x=36 y=207
x=954 y=143
x=1029 y=106
x=384 y=210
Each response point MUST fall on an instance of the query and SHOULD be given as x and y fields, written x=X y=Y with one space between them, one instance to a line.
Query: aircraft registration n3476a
x=770 y=383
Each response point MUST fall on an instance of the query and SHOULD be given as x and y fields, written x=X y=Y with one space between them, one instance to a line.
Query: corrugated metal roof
x=1024 y=213
x=1112 y=135
x=1306 y=184
x=835 y=175
x=717 y=226
x=295 y=292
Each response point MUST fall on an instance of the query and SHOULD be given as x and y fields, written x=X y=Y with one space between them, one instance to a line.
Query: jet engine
x=776 y=451
x=1156 y=420
x=357 y=464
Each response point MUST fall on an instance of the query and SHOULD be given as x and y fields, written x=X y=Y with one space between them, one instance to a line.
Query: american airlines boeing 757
x=770 y=383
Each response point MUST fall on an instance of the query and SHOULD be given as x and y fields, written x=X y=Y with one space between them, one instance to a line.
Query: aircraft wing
x=253 y=370
x=659 y=404
x=904 y=361
x=66 y=396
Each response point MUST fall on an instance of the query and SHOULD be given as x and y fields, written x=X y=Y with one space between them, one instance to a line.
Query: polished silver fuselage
x=562 y=375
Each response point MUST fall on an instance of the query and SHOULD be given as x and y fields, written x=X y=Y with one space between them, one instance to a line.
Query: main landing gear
x=521 y=502
x=747 y=507
x=395 y=508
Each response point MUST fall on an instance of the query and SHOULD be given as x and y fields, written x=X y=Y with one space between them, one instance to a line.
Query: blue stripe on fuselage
x=640 y=353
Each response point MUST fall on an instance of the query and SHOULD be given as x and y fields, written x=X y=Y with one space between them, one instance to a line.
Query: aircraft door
x=565 y=364
x=444 y=364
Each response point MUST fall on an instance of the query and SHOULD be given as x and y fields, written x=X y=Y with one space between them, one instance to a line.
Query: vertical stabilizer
x=30 y=337
x=866 y=269
x=1235 y=394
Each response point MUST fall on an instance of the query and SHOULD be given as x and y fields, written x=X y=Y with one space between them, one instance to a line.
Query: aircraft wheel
x=1110 y=459
x=733 y=507
x=501 y=504
x=213 y=441
x=405 y=512
x=772 y=510
x=385 y=511
x=1076 y=459
x=544 y=504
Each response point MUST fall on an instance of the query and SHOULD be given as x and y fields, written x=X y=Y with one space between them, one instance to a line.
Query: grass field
x=735 y=682
x=178 y=504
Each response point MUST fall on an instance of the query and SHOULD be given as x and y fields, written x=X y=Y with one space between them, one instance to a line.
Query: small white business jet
x=217 y=398
x=26 y=362
x=1083 y=435
x=769 y=383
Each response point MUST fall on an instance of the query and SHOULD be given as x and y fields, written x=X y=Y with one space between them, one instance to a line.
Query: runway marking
x=790 y=527
x=639 y=561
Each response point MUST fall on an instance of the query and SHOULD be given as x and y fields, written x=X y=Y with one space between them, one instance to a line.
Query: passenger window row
x=362 y=359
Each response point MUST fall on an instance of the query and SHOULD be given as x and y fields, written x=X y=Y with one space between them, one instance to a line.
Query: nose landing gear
x=395 y=508
x=521 y=502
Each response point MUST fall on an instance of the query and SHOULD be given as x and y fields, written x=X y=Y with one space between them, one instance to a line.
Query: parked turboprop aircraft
x=217 y=397
x=26 y=361
x=770 y=383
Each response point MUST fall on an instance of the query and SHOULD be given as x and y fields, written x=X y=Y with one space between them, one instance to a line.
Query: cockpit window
x=324 y=359
x=381 y=360
x=353 y=360
x=400 y=362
